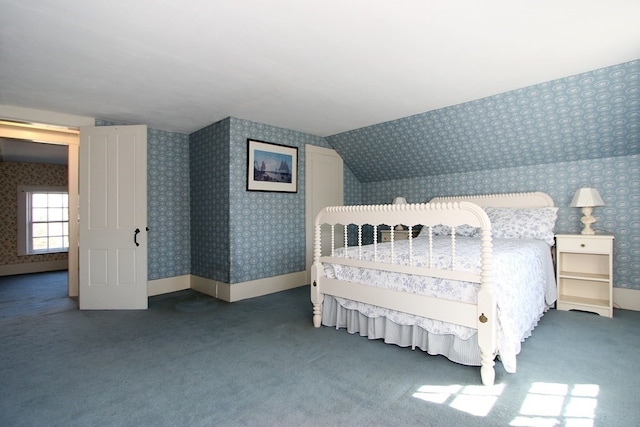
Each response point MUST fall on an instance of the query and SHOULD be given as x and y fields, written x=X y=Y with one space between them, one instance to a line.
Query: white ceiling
x=316 y=66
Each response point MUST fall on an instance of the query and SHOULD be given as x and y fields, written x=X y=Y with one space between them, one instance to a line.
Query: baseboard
x=211 y=287
x=627 y=299
x=33 y=267
x=251 y=289
x=171 y=284
x=268 y=285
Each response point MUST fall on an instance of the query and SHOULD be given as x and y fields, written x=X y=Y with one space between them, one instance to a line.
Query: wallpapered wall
x=588 y=116
x=13 y=174
x=239 y=235
x=267 y=229
x=168 y=209
x=209 y=175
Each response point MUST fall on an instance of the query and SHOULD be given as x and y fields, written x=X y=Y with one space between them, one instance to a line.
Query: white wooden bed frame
x=451 y=211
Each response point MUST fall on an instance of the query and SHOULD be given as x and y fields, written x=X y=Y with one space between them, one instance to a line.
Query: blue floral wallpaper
x=209 y=158
x=168 y=211
x=588 y=116
x=239 y=235
x=267 y=229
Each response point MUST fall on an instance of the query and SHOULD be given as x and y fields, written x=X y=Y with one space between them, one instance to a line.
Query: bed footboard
x=480 y=316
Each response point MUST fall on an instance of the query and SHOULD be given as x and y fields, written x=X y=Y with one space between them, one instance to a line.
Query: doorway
x=65 y=136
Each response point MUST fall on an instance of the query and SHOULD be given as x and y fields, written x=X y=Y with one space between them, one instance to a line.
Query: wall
x=13 y=174
x=268 y=229
x=209 y=154
x=168 y=204
x=592 y=115
x=239 y=235
x=352 y=188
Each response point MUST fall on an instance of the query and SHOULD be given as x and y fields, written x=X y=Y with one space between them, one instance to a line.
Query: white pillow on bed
x=535 y=223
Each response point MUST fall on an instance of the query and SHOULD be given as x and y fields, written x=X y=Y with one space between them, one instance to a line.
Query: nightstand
x=585 y=272
x=385 y=235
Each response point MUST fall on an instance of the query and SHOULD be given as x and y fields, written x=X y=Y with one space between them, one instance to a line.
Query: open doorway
x=56 y=142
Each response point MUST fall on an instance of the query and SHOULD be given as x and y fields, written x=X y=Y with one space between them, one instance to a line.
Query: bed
x=471 y=285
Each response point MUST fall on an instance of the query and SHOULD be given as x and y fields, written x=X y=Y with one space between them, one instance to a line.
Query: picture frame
x=271 y=167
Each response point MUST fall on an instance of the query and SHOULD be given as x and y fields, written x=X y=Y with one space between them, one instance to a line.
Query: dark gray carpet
x=193 y=360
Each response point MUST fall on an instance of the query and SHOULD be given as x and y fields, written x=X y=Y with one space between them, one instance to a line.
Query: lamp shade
x=587 y=197
x=399 y=201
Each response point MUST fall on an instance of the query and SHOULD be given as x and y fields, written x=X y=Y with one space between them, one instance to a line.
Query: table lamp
x=586 y=198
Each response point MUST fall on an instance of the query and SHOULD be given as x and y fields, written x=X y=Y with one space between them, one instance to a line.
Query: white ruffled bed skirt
x=465 y=352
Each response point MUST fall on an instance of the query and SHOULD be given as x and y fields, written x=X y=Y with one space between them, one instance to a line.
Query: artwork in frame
x=272 y=167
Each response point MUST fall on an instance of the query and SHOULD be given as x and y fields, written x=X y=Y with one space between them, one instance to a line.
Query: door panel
x=113 y=205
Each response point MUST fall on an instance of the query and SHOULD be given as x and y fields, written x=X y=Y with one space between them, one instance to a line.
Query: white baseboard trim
x=251 y=289
x=268 y=285
x=170 y=284
x=211 y=287
x=33 y=267
x=627 y=299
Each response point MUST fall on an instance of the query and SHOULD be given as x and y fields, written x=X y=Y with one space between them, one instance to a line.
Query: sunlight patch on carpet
x=545 y=405
x=552 y=404
x=474 y=400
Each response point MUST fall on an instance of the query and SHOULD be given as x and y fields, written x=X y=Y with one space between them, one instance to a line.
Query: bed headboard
x=535 y=199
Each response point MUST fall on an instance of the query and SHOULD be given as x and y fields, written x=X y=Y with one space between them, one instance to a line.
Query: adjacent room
x=196 y=143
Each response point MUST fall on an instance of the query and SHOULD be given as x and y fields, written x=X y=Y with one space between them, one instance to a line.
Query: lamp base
x=587 y=219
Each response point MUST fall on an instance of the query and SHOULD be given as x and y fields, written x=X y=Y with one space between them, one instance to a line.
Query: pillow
x=464 y=230
x=535 y=223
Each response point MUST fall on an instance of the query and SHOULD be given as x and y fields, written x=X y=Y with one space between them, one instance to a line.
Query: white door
x=113 y=217
x=323 y=184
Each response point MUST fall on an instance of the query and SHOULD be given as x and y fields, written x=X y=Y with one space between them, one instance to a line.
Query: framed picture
x=271 y=167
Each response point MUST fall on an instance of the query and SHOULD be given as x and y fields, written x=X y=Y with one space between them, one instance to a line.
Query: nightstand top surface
x=598 y=235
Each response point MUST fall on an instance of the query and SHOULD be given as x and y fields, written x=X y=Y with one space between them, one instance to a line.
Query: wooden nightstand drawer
x=582 y=244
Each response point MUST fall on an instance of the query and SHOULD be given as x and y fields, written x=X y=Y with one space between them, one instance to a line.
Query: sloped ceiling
x=318 y=66
x=587 y=116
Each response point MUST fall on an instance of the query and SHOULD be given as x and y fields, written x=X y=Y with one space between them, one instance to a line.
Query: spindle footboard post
x=317 y=297
x=487 y=313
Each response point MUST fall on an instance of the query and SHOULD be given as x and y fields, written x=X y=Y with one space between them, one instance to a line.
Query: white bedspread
x=524 y=282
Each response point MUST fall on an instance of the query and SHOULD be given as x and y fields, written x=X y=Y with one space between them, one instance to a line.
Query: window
x=43 y=220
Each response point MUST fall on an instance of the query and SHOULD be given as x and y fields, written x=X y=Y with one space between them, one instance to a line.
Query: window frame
x=25 y=247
